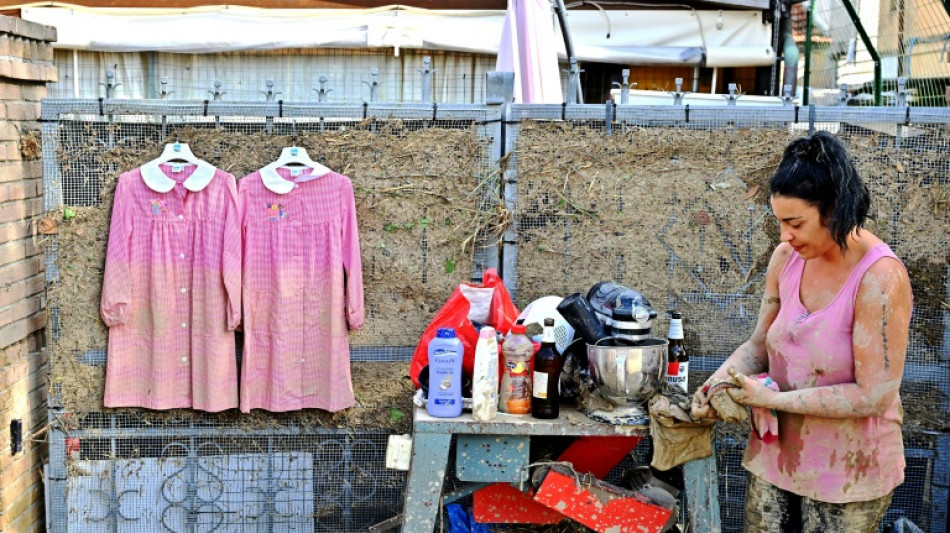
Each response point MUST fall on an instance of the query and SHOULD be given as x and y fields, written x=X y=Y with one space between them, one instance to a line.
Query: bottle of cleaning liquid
x=485 y=376
x=515 y=394
x=445 y=375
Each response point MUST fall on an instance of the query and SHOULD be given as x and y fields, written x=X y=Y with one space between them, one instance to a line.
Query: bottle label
x=540 y=385
x=444 y=401
x=676 y=329
x=516 y=368
x=677 y=374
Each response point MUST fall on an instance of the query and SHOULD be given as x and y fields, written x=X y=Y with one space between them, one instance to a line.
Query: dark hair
x=818 y=170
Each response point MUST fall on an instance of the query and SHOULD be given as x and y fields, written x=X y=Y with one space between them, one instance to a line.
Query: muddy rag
x=677 y=438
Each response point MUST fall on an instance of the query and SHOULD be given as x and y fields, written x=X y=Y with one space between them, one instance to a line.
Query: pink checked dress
x=303 y=290
x=171 y=293
x=834 y=460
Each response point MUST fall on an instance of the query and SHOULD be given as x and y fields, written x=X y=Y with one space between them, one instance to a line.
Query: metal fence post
x=733 y=95
x=625 y=86
x=373 y=84
x=679 y=93
x=322 y=92
x=110 y=84
x=501 y=92
x=426 y=71
x=269 y=95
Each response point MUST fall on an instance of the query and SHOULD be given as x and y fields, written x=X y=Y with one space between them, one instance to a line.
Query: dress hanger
x=296 y=155
x=177 y=151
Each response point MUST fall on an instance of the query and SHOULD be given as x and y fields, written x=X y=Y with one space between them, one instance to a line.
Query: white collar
x=277 y=184
x=156 y=180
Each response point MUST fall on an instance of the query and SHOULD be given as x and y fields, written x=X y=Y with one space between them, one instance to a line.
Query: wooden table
x=432 y=438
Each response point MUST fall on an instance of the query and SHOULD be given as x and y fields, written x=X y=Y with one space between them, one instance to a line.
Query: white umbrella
x=529 y=49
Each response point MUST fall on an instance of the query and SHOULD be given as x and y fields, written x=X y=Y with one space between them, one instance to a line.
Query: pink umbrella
x=529 y=49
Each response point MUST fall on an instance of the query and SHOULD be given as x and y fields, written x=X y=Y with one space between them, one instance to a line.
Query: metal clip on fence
x=217 y=93
x=679 y=93
x=573 y=83
x=787 y=99
x=270 y=94
x=843 y=96
x=900 y=95
x=110 y=84
x=625 y=86
x=322 y=92
x=374 y=84
x=733 y=95
x=165 y=92
x=426 y=71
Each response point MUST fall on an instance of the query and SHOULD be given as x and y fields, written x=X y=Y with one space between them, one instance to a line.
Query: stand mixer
x=626 y=365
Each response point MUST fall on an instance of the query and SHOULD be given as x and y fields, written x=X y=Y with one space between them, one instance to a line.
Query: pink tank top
x=835 y=460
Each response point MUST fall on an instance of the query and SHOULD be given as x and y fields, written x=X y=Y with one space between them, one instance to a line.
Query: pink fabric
x=303 y=290
x=528 y=48
x=832 y=460
x=171 y=294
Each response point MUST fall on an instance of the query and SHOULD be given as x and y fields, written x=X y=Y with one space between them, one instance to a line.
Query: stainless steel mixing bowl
x=628 y=374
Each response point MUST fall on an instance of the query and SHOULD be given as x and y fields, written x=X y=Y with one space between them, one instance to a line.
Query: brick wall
x=26 y=56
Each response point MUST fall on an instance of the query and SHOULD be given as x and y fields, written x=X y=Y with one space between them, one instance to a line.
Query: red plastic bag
x=501 y=314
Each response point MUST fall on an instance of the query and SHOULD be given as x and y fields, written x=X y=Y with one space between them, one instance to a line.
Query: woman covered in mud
x=832 y=335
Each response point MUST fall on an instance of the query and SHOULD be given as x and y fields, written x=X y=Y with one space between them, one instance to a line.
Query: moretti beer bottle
x=546 y=376
x=677 y=368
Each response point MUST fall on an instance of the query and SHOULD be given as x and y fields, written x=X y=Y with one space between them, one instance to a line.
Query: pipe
x=574 y=75
x=789 y=53
x=808 y=27
x=875 y=57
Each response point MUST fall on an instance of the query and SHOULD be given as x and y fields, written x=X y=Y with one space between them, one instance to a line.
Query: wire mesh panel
x=673 y=202
x=908 y=36
x=426 y=196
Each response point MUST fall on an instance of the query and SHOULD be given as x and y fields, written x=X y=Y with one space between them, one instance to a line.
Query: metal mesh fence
x=129 y=470
x=671 y=201
x=909 y=37
x=695 y=248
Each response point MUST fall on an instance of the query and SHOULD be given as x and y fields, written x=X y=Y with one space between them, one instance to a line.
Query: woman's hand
x=699 y=407
x=749 y=391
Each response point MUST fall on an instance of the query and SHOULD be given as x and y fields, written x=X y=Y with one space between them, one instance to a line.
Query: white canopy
x=643 y=37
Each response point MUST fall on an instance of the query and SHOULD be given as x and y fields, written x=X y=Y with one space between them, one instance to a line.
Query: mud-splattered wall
x=682 y=215
x=678 y=213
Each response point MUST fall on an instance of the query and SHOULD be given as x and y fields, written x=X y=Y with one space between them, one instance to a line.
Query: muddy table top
x=570 y=422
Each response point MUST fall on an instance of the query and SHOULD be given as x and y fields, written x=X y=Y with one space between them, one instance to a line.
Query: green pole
x=875 y=57
x=805 y=83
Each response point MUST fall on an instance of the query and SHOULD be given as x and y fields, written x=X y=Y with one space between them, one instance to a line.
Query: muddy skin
x=772 y=510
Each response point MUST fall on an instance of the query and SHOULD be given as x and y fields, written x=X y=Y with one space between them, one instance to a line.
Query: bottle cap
x=519 y=328
x=445 y=333
x=676 y=315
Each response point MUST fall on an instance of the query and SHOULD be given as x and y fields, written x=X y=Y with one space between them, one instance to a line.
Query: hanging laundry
x=303 y=289
x=171 y=293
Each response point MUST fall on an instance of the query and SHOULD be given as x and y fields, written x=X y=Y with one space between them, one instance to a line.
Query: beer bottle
x=677 y=368
x=546 y=377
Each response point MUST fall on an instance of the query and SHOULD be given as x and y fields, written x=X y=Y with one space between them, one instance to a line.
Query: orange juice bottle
x=515 y=397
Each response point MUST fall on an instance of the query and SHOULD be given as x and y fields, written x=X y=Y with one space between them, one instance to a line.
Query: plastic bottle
x=485 y=376
x=515 y=395
x=445 y=375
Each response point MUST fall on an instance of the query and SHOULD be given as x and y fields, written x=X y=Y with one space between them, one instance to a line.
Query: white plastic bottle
x=485 y=376
x=445 y=375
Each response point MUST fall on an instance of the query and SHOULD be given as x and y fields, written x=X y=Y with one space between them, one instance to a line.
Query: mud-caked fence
x=670 y=201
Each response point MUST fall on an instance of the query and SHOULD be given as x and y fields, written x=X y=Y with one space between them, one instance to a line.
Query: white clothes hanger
x=296 y=155
x=177 y=151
